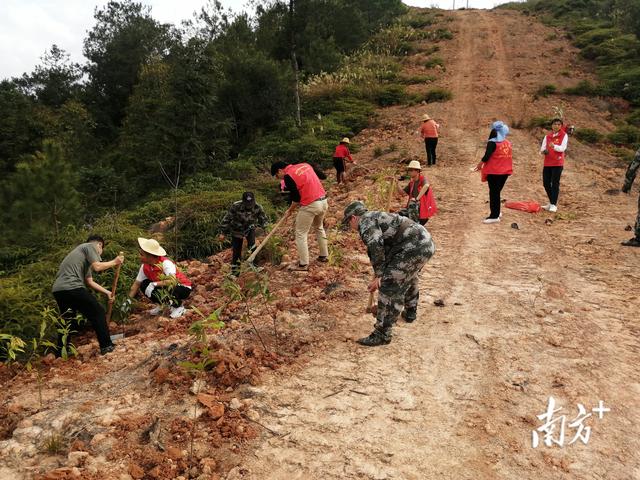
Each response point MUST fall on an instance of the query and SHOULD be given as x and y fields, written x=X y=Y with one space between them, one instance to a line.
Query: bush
x=546 y=90
x=583 y=88
x=388 y=95
x=540 y=122
x=437 y=95
x=415 y=79
x=625 y=135
x=587 y=135
x=634 y=118
x=433 y=61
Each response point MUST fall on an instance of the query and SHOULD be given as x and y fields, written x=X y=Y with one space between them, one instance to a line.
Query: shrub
x=634 y=118
x=625 y=135
x=433 y=61
x=437 y=95
x=415 y=79
x=587 y=135
x=388 y=95
x=540 y=122
x=583 y=88
x=546 y=90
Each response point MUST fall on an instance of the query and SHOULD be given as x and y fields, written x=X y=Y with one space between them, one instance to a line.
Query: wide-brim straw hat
x=151 y=246
x=425 y=117
x=345 y=140
x=414 y=165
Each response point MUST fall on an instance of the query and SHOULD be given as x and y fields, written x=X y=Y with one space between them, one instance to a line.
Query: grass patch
x=433 y=62
x=588 y=135
x=540 y=122
x=415 y=79
x=545 y=90
x=625 y=135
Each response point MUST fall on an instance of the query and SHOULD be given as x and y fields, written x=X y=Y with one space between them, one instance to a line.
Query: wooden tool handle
x=252 y=257
x=114 y=286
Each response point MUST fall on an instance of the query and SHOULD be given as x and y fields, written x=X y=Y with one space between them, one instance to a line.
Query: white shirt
x=168 y=268
x=558 y=148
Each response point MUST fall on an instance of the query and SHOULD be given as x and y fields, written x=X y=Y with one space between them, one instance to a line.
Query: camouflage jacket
x=390 y=235
x=630 y=176
x=241 y=218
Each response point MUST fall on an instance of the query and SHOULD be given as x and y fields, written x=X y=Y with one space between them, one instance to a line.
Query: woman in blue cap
x=496 y=166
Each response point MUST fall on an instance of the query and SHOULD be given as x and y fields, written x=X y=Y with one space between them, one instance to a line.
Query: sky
x=28 y=28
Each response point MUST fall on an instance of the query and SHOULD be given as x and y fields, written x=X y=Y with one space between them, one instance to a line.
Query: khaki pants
x=311 y=216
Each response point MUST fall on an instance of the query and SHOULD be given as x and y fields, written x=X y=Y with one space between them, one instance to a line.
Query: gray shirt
x=75 y=267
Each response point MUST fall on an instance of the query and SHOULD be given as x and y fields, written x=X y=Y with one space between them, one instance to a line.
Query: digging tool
x=253 y=256
x=113 y=289
x=392 y=190
x=372 y=308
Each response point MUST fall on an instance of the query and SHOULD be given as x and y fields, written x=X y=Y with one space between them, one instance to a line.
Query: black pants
x=496 y=184
x=551 y=182
x=236 y=246
x=430 y=146
x=338 y=164
x=178 y=294
x=80 y=300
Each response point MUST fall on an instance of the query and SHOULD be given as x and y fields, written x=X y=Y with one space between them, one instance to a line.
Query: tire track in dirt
x=529 y=312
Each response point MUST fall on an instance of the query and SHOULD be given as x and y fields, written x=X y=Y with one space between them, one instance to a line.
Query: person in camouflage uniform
x=241 y=221
x=398 y=248
x=630 y=176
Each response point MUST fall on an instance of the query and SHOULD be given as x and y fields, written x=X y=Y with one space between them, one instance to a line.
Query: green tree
x=124 y=38
x=43 y=196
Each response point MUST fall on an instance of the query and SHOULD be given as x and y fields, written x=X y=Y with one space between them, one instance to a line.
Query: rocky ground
x=539 y=305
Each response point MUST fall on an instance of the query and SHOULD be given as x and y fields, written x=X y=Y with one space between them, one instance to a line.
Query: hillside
x=544 y=309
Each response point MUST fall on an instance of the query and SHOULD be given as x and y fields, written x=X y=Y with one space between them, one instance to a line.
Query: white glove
x=150 y=288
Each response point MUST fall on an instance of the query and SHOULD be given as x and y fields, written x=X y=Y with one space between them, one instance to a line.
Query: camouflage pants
x=399 y=284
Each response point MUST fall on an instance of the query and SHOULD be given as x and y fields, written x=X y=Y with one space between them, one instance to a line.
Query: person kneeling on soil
x=70 y=289
x=160 y=280
x=398 y=249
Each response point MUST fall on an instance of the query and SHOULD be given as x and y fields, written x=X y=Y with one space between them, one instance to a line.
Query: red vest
x=342 y=151
x=307 y=182
x=154 y=272
x=553 y=158
x=500 y=162
x=428 y=206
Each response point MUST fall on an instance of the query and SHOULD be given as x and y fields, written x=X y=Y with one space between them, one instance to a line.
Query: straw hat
x=345 y=140
x=425 y=117
x=414 y=165
x=151 y=246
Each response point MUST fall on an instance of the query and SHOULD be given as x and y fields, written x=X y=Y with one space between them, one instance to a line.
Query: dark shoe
x=634 y=242
x=299 y=268
x=375 y=339
x=322 y=259
x=409 y=316
x=109 y=349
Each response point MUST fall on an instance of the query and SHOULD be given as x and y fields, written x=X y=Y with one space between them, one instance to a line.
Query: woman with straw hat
x=160 y=280
x=420 y=191
x=340 y=156
x=429 y=131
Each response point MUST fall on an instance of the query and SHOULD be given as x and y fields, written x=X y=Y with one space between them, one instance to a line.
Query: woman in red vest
x=419 y=190
x=158 y=271
x=553 y=147
x=496 y=166
x=429 y=132
x=341 y=155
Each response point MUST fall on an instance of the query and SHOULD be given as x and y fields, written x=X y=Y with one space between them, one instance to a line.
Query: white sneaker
x=553 y=208
x=491 y=220
x=177 y=312
x=155 y=310
x=546 y=207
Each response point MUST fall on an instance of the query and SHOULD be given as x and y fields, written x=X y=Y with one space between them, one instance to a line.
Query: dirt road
x=538 y=311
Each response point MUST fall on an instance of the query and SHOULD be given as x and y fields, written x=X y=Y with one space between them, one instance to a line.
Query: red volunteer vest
x=428 y=206
x=553 y=158
x=342 y=151
x=500 y=162
x=153 y=272
x=307 y=182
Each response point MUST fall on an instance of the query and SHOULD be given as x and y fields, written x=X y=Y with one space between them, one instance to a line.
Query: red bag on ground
x=529 y=207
